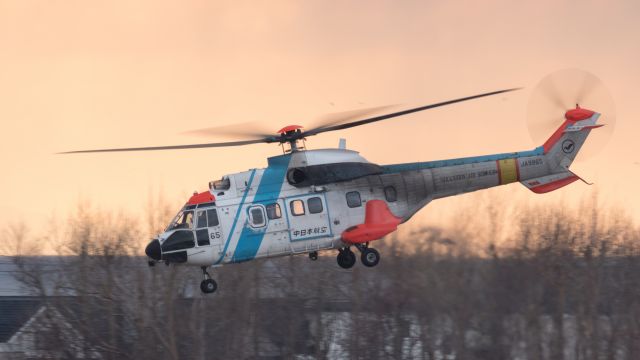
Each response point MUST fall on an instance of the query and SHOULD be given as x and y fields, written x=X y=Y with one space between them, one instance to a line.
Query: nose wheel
x=208 y=285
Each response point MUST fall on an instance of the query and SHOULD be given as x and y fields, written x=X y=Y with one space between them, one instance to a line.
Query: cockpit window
x=184 y=220
x=209 y=204
x=179 y=240
x=213 y=217
x=202 y=219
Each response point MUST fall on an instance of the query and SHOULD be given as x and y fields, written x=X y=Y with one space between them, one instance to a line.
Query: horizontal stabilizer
x=574 y=128
x=551 y=182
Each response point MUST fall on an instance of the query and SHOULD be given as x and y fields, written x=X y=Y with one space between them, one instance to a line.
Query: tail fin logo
x=568 y=146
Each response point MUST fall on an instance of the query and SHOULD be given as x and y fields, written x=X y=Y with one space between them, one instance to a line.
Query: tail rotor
x=564 y=90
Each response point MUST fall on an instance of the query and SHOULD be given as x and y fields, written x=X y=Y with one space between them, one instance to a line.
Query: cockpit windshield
x=184 y=220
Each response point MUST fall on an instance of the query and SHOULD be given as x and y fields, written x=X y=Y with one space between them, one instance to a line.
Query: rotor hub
x=289 y=128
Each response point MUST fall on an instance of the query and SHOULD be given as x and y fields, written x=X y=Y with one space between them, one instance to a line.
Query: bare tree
x=546 y=284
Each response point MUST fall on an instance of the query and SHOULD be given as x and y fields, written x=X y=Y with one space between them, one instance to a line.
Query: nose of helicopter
x=153 y=250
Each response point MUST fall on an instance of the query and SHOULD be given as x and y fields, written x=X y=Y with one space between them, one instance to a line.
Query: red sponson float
x=378 y=222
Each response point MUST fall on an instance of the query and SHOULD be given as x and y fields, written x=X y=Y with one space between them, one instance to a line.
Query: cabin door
x=208 y=230
x=308 y=217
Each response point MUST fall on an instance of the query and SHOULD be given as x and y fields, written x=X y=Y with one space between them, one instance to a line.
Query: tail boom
x=541 y=170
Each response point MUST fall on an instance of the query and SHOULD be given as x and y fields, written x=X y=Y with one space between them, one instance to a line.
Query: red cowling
x=378 y=222
x=200 y=198
x=289 y=128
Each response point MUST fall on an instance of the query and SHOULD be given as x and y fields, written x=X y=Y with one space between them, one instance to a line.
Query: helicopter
x=311 y=200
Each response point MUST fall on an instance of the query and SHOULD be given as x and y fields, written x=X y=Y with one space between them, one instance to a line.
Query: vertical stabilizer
x=563 y=146
x=561 y=149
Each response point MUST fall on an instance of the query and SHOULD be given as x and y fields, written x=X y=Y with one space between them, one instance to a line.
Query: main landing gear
x=368 y=256
x=208 y=285
x=346 y=258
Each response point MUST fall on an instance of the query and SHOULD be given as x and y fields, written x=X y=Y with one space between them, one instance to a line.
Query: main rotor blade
x=400 y=113
x=174 y=147
x=343 y=117
x=250 y=129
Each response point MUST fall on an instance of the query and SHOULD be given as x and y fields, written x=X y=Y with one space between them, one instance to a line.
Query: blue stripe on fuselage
x=460 y=161
x=235 y=219
x=269 y=189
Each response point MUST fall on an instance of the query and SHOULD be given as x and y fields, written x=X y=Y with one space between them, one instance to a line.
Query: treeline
x=561 y=284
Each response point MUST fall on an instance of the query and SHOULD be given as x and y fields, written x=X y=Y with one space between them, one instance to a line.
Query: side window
x=202 y=219
x=390 y=194
x=256 y=216
x=315 y=205
x=353 y=199
x=273 y=211
x=213 y=217
x=297 y=207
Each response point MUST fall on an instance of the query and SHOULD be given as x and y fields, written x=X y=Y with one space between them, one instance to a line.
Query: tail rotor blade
x=588 y=85
x=553 y=95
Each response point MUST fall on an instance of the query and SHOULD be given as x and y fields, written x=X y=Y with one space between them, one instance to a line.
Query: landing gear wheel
x=369 y=257
x=313 y=255
x=208 y=286
x=346 y=258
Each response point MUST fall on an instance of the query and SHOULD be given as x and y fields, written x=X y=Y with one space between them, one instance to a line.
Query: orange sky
x=92 y=74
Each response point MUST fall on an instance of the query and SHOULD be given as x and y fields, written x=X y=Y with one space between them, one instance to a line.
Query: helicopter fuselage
x=266 y=213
